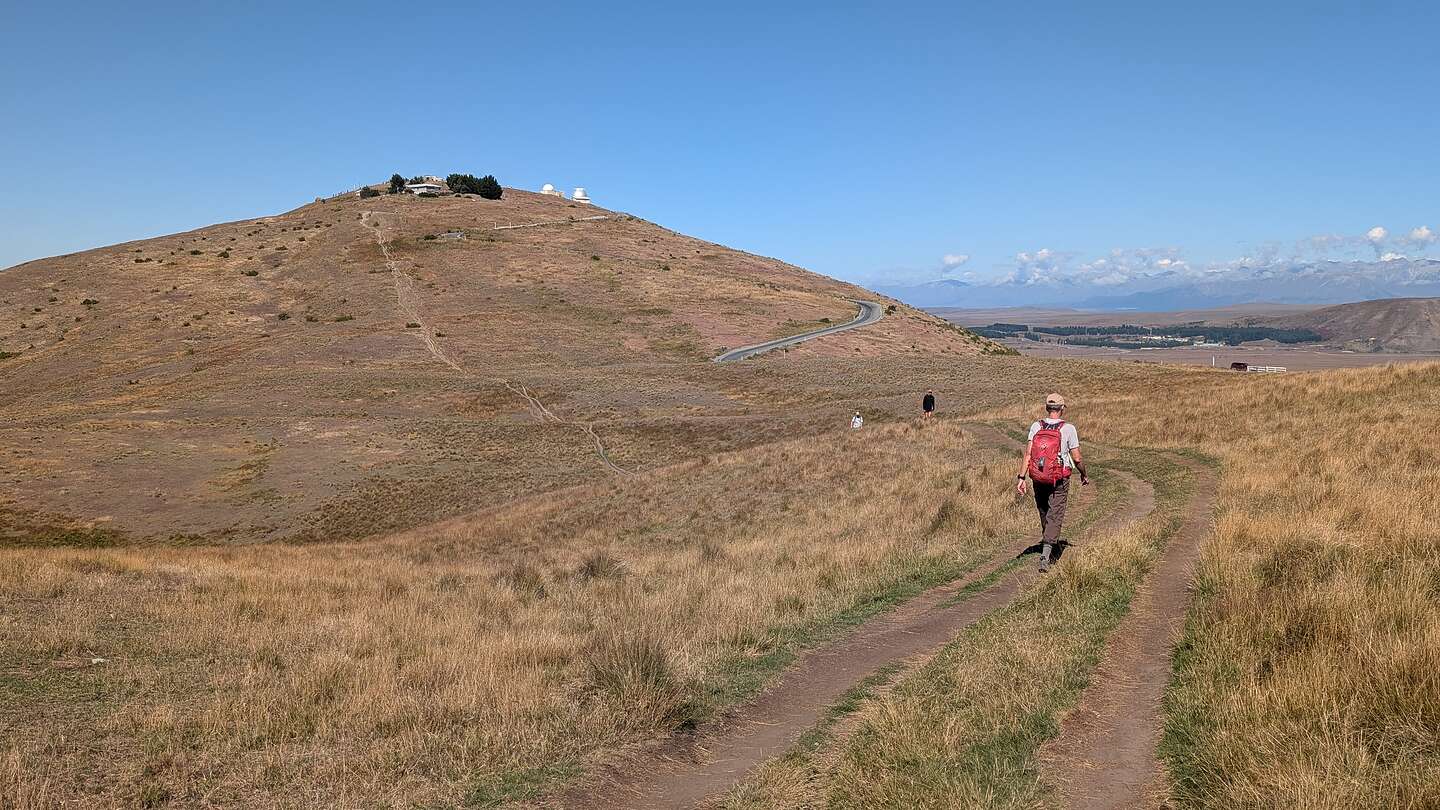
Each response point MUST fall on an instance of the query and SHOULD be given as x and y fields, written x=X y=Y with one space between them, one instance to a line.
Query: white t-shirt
x=1069 y=440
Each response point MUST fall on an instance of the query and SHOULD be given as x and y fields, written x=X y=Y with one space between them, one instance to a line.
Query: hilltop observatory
x=551 y=191
x=579 y=197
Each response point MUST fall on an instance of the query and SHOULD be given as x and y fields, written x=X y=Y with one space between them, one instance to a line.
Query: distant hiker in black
x=1051 y=452
x=927 y=405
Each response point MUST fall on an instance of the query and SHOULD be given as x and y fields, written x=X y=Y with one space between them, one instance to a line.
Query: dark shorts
x=1051 y=499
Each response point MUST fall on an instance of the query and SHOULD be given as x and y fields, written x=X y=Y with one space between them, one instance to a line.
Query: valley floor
x=1292 y=358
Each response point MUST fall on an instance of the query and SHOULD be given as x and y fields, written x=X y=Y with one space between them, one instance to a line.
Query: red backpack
x=1045 y=464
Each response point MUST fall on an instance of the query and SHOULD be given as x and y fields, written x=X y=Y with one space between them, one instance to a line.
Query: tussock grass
x=481 y=657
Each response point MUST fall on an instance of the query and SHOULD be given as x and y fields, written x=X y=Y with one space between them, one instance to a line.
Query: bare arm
x=1080 y=465
x=1024 y=467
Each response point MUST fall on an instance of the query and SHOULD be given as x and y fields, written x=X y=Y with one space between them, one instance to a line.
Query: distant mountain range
x=1315 y=283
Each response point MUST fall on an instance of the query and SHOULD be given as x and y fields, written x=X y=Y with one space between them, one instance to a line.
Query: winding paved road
x=870 y=312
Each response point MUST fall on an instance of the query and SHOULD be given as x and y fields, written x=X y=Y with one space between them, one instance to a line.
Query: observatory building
x=550 y=190
x=579 y=197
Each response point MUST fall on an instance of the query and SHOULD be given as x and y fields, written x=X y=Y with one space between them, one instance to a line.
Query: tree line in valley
x=1178 y=334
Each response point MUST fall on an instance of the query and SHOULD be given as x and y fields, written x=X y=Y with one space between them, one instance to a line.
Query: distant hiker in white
x=856 y=422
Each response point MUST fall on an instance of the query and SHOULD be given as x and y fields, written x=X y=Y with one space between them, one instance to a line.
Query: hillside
x=356 y=366
x=1391 y=324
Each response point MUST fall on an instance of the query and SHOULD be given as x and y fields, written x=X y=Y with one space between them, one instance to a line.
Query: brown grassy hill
x=356 y=366
x=1390 y=324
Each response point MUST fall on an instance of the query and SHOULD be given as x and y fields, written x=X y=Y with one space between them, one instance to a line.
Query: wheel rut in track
x=1105 y=756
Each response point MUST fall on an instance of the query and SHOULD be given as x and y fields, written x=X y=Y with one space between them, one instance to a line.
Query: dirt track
x=686 y=770
x=1105 y=756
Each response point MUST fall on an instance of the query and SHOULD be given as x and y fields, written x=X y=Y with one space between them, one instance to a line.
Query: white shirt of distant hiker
x=856 y=421
x=1069 y=440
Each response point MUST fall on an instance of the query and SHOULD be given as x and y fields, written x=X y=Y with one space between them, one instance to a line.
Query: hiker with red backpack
x=1051 y=452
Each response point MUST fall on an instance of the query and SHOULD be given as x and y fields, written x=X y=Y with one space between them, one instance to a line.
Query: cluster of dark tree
x=1118 y=343
x=487 y=186
x=1000 y=330
x=366 y=191
x=1232 y=335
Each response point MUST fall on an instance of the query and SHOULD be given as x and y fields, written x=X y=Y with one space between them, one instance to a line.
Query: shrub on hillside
x=368 y=192
x=397 y=184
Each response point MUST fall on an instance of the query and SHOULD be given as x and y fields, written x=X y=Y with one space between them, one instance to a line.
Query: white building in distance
x=580 y=197
x=422 y=188
x=551 y=191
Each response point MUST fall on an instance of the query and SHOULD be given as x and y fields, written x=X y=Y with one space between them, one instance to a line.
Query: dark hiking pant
x=1050 y=499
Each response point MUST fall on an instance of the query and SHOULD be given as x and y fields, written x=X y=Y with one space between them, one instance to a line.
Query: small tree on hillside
x=397 y=184
x=489 y=188
x=367 y=192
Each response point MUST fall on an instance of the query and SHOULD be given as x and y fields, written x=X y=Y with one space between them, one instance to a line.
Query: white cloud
x=954 y=259
x=1422 y=236
x=1121 y=266
x=1392 y=257
x=1376 y=234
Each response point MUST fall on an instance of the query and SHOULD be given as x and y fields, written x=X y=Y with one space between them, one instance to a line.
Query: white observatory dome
x=547 y=187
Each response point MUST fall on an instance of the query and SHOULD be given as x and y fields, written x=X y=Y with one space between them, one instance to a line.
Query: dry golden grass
x=511 y=647
x=1310 y=672
x=451 y=663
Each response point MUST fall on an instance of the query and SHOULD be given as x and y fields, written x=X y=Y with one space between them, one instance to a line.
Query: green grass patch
x=514 y=786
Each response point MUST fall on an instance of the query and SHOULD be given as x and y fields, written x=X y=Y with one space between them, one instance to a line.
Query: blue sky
x=865 y=141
